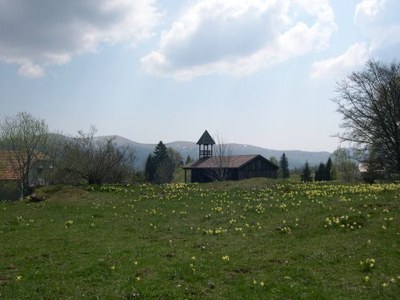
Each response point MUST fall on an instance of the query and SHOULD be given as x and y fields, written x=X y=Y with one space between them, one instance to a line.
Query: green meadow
x=256 y=239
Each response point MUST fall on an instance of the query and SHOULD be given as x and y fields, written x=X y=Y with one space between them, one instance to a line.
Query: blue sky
x=258 y=72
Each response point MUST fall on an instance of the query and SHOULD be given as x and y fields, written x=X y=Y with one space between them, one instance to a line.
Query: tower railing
x=205 y=153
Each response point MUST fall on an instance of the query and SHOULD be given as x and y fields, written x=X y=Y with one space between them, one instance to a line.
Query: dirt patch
x=278 y=261
x=62 y=194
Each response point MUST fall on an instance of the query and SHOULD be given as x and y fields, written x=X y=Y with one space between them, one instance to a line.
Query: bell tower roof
x=206 y=139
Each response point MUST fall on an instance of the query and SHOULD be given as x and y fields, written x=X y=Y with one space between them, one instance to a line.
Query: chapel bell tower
x=205 y=143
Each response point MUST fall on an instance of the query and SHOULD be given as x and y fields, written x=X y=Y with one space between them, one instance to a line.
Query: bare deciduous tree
x=176 y=157
x=221 y=159
x=369 y=102
x=98 y=161
x=25 y=137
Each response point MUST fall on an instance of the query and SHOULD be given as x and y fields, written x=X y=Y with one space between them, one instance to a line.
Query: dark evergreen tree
x=321 y=174
x=188 y=160
x=160 y=153
x=150 y=168
x=329 y=170
x=160 y=166
x=306 y=176
x=284 y=166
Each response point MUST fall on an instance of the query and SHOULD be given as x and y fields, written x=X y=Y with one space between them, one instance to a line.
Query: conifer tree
x=321 y=173
x=306 y=176
x=160 y=153
x=284 y=166
x=149 y=169
x=160 y=166
x=329 y=170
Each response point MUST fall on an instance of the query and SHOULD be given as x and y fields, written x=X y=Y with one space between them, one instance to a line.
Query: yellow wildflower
x=225 y=257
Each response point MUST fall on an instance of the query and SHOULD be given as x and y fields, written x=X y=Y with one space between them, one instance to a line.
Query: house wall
x=200 y=175
x=256 y=168
x=9 y=190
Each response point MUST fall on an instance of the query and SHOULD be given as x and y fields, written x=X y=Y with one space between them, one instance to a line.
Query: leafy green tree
x=188 y=160
x=306 y=176
x=284 y=166
x=176 y=157
x=346 y=168
x=274 y=160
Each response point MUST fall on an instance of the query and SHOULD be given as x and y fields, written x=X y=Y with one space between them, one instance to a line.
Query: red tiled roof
x=7 y=169
x=9 y=165
x=234 y=161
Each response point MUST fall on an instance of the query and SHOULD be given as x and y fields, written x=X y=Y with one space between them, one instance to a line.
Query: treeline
x=369 y=103
x=341 y=166
x=39 y=157
x=324 y=172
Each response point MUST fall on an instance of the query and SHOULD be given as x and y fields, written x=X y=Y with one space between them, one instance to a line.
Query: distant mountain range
x=296 y=158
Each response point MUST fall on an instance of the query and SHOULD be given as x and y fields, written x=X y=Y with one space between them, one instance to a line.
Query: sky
x=257 y=72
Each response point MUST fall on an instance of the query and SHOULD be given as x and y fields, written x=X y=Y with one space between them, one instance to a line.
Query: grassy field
x=251 y=240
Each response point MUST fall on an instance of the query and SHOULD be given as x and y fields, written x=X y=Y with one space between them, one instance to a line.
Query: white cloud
x=35 y=34
x=341 y=65
x=380 y=22
x=368 y=8
x=240 y=37
x=31 y=71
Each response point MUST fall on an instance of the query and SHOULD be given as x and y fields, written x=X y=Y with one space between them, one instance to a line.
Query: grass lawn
x=255 y=239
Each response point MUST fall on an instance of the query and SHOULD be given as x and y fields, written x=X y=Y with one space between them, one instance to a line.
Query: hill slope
x=296 y=158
